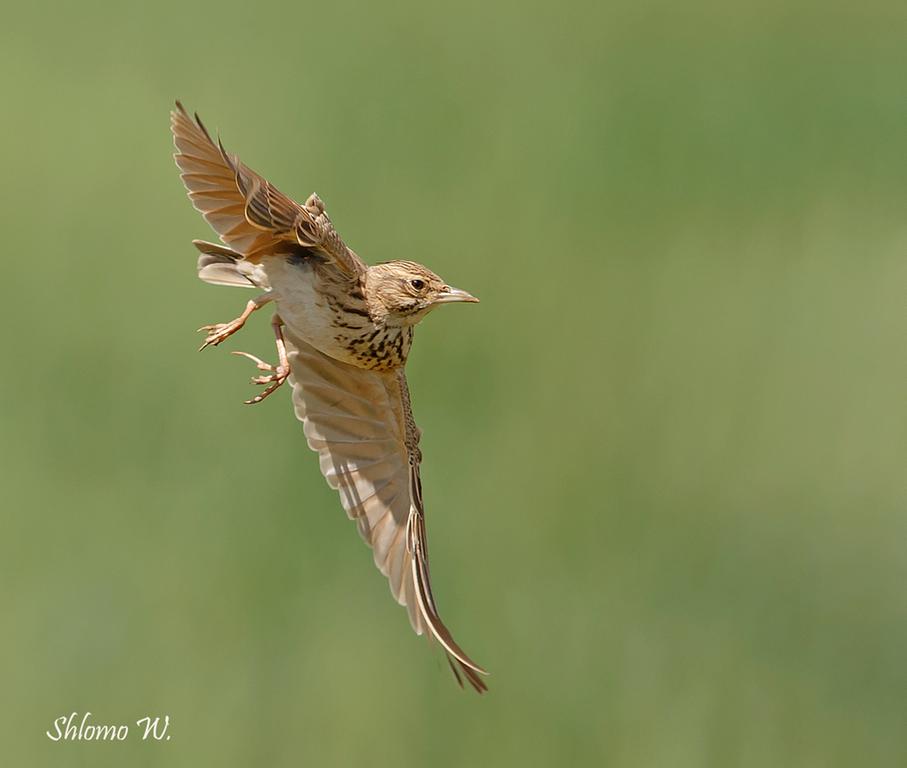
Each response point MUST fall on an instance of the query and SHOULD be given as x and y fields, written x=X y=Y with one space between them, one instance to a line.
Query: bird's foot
x=277 y=375
x=220 y=332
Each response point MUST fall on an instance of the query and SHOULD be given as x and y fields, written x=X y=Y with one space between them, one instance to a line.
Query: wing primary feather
x=360 y=423
x=201 y=125
x=453 y=669
x=440 y=632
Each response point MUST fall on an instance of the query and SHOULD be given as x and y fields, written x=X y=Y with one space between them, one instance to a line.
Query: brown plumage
x=344 y=331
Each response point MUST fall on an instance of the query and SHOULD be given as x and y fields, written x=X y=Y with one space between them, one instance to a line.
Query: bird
x=343 y=331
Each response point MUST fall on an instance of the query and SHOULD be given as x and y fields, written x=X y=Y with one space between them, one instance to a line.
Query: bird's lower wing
x=360 y=425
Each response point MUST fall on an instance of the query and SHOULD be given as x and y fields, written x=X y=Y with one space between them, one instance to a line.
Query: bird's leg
x=277 y=375
x=220 y=332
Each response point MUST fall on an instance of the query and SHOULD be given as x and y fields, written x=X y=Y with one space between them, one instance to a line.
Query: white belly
x=303 y=309
x=341 y=328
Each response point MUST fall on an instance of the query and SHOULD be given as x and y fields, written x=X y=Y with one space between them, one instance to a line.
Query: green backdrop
x=664 y=457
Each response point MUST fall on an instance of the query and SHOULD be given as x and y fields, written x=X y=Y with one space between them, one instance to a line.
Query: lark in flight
x=343 y=332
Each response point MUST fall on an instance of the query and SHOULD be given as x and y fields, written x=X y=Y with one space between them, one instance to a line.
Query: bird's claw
x=219 y=332
x=276 y=376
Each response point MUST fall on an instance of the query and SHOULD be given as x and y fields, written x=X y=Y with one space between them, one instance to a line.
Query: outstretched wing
x=249 y=213
x=360 y=423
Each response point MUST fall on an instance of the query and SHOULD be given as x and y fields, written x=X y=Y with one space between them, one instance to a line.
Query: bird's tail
x=219 y=265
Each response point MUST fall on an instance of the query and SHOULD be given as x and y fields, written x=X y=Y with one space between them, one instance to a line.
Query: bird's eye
x=417 y=284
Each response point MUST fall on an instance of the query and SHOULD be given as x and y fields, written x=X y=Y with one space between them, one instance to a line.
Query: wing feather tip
x=472 y=678
x=412 y=590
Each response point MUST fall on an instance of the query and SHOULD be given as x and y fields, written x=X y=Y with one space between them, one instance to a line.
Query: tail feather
x=217 y=250
x=219 y=265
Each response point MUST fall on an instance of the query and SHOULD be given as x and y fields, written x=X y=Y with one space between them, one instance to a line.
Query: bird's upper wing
x=249 y=213
x=361 y=425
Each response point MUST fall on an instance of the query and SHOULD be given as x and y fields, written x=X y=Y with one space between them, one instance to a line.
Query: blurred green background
x=665 y=456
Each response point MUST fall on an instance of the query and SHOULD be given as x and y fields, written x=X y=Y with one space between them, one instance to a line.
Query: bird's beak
x=449 y=295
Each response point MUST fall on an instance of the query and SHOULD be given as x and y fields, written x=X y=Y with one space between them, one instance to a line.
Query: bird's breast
x=379 y=349
x=331 y=314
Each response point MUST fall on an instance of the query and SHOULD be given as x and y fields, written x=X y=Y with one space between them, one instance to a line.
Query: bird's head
x=403 y=292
